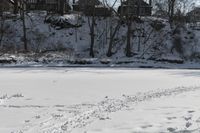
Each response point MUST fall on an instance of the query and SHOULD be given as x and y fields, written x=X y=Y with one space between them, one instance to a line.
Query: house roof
x=88 y=2
x=6 y=3
x=143 y=3
x=45 y=1
x=195 y=10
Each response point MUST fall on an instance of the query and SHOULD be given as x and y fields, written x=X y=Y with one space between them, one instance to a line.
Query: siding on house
x=100 y=11
x=42 y=5
x=194 y=15
x=48 y=5
x=5 y=5
x=91 y=7
x=82 y=5
x=137 y=8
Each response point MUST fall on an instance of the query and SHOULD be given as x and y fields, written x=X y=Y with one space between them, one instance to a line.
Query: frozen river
x=89 y=100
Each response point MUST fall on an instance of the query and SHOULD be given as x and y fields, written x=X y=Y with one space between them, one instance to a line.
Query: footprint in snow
x=27 y=121
x=198 y=120
x=188 y=124
x=191 y=111
x=59 y=106
x=188 y=118
x=171 y=118
x=146 y=126
x=171 y=129
x=37 y=117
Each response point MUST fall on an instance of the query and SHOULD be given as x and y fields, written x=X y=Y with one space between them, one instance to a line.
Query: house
x=135 y=8
x=82 y=5
x=161 y=14
x=9 y=6
x=48 y=5
x=6 y=5
x=194 y=15
x=91 y=7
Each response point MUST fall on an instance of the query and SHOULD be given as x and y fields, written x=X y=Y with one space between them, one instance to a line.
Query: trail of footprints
x=189 y=120
x=65 y=119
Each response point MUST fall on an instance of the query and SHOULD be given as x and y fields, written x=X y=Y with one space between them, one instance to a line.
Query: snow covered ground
x=152 y=38
x=89 y=100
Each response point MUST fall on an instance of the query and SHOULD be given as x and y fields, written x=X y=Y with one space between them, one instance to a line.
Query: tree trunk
x=112 y=36
x=24 y=28
x=92 y=31
x=2 y=30
x=138 y=7
x=172 y=10
x=129 y=24
x=128 y=44
x=1 y=10
x=16 y=8
x=61 y=7
x=92 y=34
x=171 y=6
x=150 y=2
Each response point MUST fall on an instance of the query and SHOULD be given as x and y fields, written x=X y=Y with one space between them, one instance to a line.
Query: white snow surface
x=99 y=100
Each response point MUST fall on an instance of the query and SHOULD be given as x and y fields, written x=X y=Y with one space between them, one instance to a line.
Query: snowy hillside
x=67 y=39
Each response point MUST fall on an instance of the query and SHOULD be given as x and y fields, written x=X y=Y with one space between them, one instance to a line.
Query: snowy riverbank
x=61 y=59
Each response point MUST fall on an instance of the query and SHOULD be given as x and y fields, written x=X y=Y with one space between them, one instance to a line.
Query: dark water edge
x=96 y=66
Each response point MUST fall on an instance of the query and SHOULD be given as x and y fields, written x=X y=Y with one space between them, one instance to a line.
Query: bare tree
x=22 y=3
x=171 y=10
x=123 y=16
x=61 y=7
x=2 y=22
x=1 y=9
x=113 y=32
x=115 y=29
x=128 y=41
x=2 y=29
x=92 y=35
x=16 y=8
x=185 y=5
x=129 y=19
x=174 y=8
x=91 y=23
